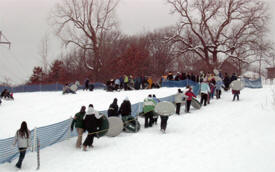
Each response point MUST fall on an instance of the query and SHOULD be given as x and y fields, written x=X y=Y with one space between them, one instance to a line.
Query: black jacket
x=113 y=110
x=91 y=123
x=125 y=108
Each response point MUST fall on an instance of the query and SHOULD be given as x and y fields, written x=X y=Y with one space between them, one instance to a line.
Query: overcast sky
x=24 y=23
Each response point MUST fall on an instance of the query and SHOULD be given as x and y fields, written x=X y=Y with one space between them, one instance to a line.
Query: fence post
x=69 y=133
x=34 y=139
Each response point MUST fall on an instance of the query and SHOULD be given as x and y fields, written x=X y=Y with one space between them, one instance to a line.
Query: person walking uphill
x=178 y=100
x=148 y=110
x=189 y=95
x=90 y=124
x=22 y=139
x=79 y=125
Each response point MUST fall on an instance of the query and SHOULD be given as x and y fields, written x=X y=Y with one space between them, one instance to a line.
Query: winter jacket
x=113 y=110
x=205 y=88
x=219 y=84
x=22 y=142
x=170 y=76
x=78 y=120
x=126 y=80
x=148 y=105
x=117 y=82
x=179 y=98
x=190 y=94
x=125 y=108
x=150 y=82
x=91 y=120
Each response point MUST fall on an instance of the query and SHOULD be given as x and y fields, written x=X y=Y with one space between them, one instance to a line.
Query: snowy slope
x=225 y=136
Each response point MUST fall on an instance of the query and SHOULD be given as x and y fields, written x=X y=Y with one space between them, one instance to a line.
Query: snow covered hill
x=224 y=136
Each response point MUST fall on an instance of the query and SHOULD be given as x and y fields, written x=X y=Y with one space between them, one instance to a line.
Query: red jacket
x=190 y=94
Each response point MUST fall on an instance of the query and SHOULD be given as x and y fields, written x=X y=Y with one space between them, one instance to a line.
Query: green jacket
x=78 y=121
x=149 y=105
x=126 y=80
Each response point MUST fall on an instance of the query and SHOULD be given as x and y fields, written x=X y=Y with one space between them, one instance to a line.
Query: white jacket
x=22 y=142
x=179 y=98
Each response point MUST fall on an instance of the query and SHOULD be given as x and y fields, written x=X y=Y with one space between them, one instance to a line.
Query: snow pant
x=178 y=108
x=163 y=122
x=218 y=93
x=89 y=140
x=208 y=98
x=86 y=87
x=80 y=132
x=236 y=95
x=188 y=103
x=126 y=86
x=149 y=119
x=204 y=98
x=22 y=153
x=155 y=118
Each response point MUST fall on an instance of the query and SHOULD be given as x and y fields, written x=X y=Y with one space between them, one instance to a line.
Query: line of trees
x=210 y=34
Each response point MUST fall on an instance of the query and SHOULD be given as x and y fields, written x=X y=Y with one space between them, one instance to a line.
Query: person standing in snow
x=22 y=139
x=236 y=87
x=219 y=85
x=90 y=124
x=178 y=100
x=126 y=82
x=113 y=109
x=86 y=83
x=204 y=88
x=125 y=108
x=148 y=110
x=78 y=123
x=189 y=95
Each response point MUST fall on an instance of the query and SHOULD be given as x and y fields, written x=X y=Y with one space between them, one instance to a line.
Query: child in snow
x=236 y=86
x=189 y=95
x=22 y=139
x=178 y=100
x=204 y=88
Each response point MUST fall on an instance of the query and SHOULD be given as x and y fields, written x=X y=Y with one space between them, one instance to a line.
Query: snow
x=224 y=136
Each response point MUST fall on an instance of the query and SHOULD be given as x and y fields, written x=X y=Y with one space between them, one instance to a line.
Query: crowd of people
x=88 y=120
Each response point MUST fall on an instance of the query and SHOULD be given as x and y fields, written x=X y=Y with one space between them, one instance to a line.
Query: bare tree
x=84 y=23
x=216 y=30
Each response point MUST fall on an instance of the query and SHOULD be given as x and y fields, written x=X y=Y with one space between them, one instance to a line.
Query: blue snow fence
x=182 y=83
x=252 y=83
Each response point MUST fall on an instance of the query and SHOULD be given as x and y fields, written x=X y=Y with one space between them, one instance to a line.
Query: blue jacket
x=219 y=85
x=205 y=87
